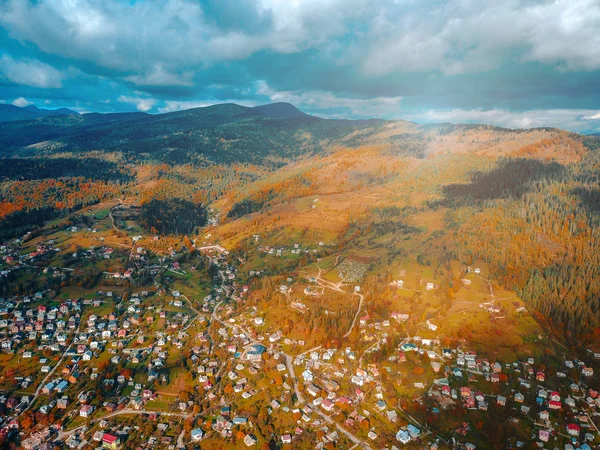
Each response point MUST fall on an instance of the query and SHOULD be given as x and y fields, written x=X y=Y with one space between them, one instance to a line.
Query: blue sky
x=514 y=63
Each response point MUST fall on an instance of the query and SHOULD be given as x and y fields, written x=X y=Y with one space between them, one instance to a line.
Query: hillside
x=267 y=135
x=474 y=194
x=220 y=133
x=395 y=189
x=277 y=262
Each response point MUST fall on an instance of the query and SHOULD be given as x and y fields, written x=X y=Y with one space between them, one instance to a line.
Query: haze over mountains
x=268 y=134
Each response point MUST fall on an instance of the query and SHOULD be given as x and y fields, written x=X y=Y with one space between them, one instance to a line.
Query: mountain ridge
x=266 y=135
x=10 y=113
x=283 y=110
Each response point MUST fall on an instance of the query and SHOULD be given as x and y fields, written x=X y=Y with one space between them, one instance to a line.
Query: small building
x=249 y=440
x=110 y=441
x=197 y=434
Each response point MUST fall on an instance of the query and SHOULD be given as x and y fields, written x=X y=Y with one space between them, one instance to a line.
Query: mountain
x=282 y=110
x=12 y=112
x=50 y=112
x=218 y=133
x=9 y=113
x=268 y=135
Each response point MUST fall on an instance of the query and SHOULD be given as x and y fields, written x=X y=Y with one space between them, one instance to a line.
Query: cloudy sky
x=515 y=63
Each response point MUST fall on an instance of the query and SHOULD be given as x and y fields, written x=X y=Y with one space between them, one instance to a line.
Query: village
x=144 y=358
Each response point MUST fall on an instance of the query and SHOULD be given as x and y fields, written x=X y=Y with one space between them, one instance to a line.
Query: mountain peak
x=9 y=113
x=281 y=110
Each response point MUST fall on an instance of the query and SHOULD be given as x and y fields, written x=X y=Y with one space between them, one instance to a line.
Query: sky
x=512 y=63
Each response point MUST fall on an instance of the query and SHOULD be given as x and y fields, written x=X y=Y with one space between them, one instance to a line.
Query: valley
x=232 y=277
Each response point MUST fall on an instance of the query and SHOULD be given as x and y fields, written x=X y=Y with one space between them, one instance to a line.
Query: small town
x=154 y=367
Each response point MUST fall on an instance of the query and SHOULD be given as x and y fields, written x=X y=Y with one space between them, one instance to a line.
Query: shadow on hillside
x=511 y=178
x=590 y=198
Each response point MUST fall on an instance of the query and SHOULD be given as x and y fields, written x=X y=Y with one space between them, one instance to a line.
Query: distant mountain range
x=9 y=113
x=272 y=134
x=219 y=133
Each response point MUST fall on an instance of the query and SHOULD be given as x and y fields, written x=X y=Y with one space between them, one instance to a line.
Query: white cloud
x=593 y=117
x=174 y=105
x=141 y=103
x=21 y=102
x=158 y=76
x=569 y=119
x=165 y=42
x=359 y=107
x=177 y=34
x=465 y=36
x=565 y=32
x=29 y=72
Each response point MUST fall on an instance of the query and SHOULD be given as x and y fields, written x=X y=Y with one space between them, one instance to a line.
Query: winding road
x=360 y=305
x=337 y=287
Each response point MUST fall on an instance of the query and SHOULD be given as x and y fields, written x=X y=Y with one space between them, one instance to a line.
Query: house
x=249 y=440
x=544 y=415
x=307 y=375
x=327 y=405
x=254 y=352
x=413 y=431
x=74 y=377
x=197 y=434
x=544 y=435
x=552 y=404
x=501 y=400
x=110 y=441
x=403 y=436
x=86 y=411
x=392 y=415
x=540 y=376
x=573 y=429
x=286 y=439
